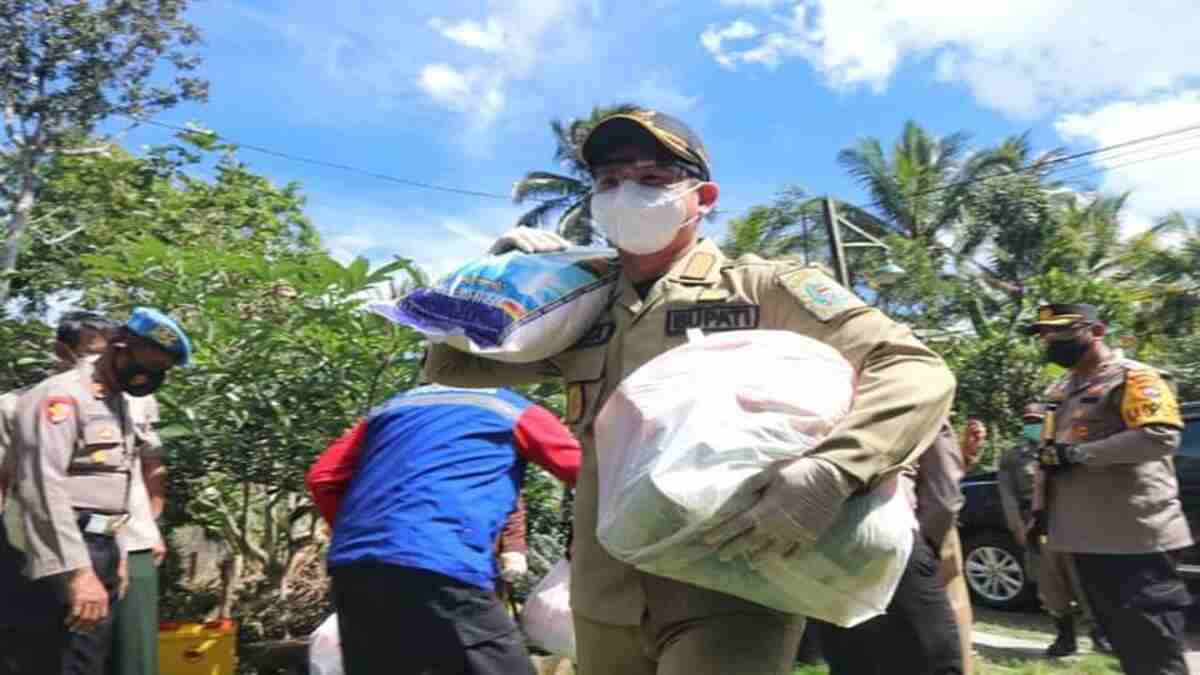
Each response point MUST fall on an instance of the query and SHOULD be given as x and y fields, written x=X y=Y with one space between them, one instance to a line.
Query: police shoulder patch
x=819 y=294
x=1149 y=400
x=58 y=408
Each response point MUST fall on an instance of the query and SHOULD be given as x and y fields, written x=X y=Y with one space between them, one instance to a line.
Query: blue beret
x=162 y=330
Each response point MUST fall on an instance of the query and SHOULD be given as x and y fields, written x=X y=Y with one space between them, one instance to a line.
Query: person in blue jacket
x=417 y=494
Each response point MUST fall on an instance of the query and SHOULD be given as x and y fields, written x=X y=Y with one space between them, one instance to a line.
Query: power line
x=1163 y=155
x=1052 y=165
x=327 y=164
x=1061 y=162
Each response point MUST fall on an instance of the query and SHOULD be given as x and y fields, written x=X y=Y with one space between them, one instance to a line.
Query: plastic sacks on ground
x=546 y=617
x=515 y=307
x=325 y=649
x=680 y=434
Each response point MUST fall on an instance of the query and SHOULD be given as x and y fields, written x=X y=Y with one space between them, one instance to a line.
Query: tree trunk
x=22 y=210
x=231 y=577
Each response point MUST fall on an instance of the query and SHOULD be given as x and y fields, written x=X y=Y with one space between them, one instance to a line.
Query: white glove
x=528 y=240
x=783 y=511
x=513 y=566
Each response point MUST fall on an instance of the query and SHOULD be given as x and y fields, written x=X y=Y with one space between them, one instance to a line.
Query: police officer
x=1111 y=492
x=75 y=447
x=651 y=188
x=1058 y=584
x=22 y=607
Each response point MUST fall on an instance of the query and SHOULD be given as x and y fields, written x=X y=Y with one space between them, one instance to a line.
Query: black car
x=995 y=564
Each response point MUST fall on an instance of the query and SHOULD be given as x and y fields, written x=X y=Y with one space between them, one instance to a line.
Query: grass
x=1028 y=625
x=1086 y=665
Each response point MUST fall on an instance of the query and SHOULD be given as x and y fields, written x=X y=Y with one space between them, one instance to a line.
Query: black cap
x=668 y=132
x=1057 y=316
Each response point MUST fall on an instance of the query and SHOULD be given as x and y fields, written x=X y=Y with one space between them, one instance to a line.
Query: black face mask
x=138 y=380
x=1067 y=353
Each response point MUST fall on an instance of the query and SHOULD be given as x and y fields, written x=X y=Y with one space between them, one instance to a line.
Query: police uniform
x=75 y=452
x=1113 y=501
x=904 y=391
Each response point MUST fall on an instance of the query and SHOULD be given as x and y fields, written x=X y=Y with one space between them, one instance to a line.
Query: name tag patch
x=712 y=318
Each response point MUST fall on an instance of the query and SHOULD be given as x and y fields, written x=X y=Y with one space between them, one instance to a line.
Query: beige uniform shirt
x=1125 y=498
x=75 y=447
x=904 y=389
x=1015 y=482
x=142 y=531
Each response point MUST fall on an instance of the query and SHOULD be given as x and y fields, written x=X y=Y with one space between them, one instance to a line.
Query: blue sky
x=460 y=93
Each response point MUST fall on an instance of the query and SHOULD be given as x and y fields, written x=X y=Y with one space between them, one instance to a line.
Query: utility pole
x=837 y=246
x=837 y=251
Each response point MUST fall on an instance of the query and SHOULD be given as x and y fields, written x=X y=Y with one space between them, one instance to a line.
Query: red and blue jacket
x=428 y=478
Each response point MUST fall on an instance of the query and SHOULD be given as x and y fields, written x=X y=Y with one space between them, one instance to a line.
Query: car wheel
x=995 y=569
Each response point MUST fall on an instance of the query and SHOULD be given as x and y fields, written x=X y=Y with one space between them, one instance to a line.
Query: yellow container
x=189 y=648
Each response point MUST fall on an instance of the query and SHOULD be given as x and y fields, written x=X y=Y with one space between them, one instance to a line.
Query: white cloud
x=714 y=38
x=1160 y=173
x=507 y=46
x=465 y=91
x=488 y=37
x=1023 y=57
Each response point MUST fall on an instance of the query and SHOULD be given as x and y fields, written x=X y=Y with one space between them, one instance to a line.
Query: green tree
x=792 y=225
x=287 y=357
x=65 y=67
x=566 y=194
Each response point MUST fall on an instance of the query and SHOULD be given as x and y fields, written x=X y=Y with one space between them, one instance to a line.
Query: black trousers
x=400 y=620
x=34 y=639
x=1139 y=601
x=917 y=635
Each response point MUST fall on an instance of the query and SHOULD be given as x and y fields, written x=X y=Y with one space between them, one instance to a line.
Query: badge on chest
x=712 y=317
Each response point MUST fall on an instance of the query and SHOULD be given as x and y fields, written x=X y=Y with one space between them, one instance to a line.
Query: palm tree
x=566 y=194
x=1167 y=257
x=921 y=188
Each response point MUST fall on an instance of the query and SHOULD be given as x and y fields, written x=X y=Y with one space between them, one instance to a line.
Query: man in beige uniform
x=1111 y=492
x=76 y=449
x=652 y=186
x=22 y=607
x=1058 y=585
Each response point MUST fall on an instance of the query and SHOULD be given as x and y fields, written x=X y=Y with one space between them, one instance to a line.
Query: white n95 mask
x=641 y=219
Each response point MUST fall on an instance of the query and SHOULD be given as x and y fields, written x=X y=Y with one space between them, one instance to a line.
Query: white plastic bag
x=325 y=649
x=516 y=307
x=546 y=617
x=680 y=434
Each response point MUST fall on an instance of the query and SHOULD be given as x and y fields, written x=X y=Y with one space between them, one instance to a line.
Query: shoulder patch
x=819 y=294
x=58 y=408
x=698 y=267
x=1149 y=400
